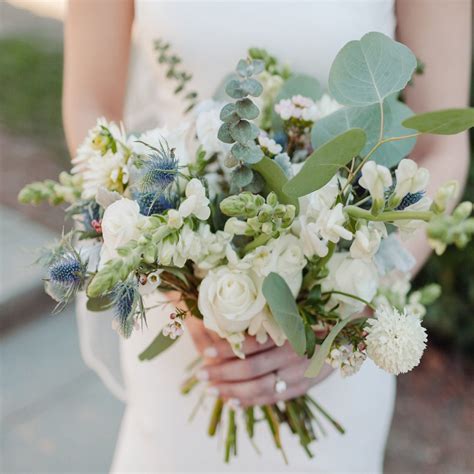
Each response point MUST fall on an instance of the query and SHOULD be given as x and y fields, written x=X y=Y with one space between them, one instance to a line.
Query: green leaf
x=442 y=122
x=249 y=153
x=252 y=87
x=234 y=89
x=275 y=179
x=243 y=132
x=368 y=119
x=325 y=161
x=246 y=109
x=300 y=84
x=321 y=354
x=242 y=176
x=158 y=345
x=284 y=310
x=100 y=303
x=367 y=71
x=310 y=340
x=224 y=134
x=228 y=114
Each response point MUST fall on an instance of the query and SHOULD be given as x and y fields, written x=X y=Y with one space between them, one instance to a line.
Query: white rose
x=353 y=276
x=229 y=299
x=121 y=223
x=367 y=240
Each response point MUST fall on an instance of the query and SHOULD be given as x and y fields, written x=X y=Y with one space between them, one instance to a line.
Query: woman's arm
x=96 y=54
x=439 y=33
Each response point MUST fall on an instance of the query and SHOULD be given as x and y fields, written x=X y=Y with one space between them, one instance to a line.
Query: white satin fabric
x=155 y=436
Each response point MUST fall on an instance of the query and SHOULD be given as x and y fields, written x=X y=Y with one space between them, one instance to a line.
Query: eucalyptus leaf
x=234 y=89
x=367 y=71
x=158 y=345
x=285 y=311
x=243 y=132
x=100 y=303
x=242 y=176
x=325 y=161
x=228 y=114
x=246 y=109
x=251 y=87
x=442 y=122
x=300 y=84
x=249 y=153
x=224 y=134
x=244 y=69
x=275 y=179
x=321 y=354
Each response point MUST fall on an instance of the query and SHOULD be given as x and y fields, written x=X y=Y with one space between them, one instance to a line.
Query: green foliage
x=325 y=161
x=300 y=84
x=176 y=73
x=321 y=354
x=275 y=179
x=285 y=311
x=442 y=122
x=157 y=346
x=367 y=71
x=30 y=89
x=100 y=303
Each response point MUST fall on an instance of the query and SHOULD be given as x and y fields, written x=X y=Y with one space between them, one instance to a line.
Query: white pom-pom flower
x=395 y=341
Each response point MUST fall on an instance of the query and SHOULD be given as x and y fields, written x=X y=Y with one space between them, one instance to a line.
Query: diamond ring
x=280 y=385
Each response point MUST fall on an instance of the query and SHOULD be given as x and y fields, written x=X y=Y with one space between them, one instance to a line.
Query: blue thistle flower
x=125 y=298
x=159 y=170
x=154 y=203
x=67 y=271
x=409 y=199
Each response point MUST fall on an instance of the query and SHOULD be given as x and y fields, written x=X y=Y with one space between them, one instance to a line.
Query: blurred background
x=55 y=414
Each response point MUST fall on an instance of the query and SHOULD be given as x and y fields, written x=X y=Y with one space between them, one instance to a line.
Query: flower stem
x=262 y=239
x=231 y=439
x=342 y=293
x=215 y=417
x=356 y=212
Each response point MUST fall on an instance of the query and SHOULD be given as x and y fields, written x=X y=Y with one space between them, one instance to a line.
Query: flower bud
x=444 y=194
x=235 y=226
x=233 y=206
x=463 y=211
x=272 y=199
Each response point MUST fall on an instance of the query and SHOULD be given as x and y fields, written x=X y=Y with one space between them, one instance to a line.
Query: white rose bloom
x=196 y=201
x=395 y=341
x=121 y=223
x=410 y=178
x=229 y=299
x=208 y=123
x=355 y=277
x=331 y=224
x=367 y=240
x=375 y=178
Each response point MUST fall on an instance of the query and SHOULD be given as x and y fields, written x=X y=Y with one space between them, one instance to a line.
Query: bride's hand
x=252 y=380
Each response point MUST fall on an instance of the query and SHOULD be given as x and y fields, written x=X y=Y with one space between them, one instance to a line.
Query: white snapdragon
x=445 y=193
x=395 y=341
x=269 y=144
x=166 y=250
x=196 y=202
x=331 y=224
x=351 y=276
x=367 y=240
x=407 y=227
x=323 y=198
x=313 y=243
x=376 y=179
x=409 y=179
x=175 y=220
x=121 y=223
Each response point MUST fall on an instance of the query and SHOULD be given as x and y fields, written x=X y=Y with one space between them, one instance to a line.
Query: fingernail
x=212 y=391
x=202 y=375
x=210 y=352
x=233 y=403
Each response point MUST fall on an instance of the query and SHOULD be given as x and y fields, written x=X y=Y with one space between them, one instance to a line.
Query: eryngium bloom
x=125 y=298
x=160 y=170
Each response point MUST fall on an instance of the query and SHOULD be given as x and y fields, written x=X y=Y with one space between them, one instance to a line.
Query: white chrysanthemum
x=395 y=341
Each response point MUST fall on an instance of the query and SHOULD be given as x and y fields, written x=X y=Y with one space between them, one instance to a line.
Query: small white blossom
x=313 y=243
x=271 y=145
x=367 y=240
x=395 y=341
x=375 y=178
x=175 y=220
x=149 y=283
x=331 y=224
x=445 y=193
x=410 y=178
x=175 y=328
x=196 y=201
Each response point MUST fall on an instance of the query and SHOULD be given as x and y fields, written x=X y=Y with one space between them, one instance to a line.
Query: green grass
x=30 y=89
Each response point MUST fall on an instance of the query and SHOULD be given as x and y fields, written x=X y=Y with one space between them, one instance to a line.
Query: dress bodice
x=211 y=36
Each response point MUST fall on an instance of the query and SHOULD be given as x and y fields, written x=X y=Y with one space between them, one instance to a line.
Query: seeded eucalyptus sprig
x=237 y=128
x=174 y=72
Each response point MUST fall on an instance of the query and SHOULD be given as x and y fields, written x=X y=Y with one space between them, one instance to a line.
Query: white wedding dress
x=155 y=436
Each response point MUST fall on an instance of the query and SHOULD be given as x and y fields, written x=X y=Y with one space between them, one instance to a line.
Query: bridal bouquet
x=277 y=214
